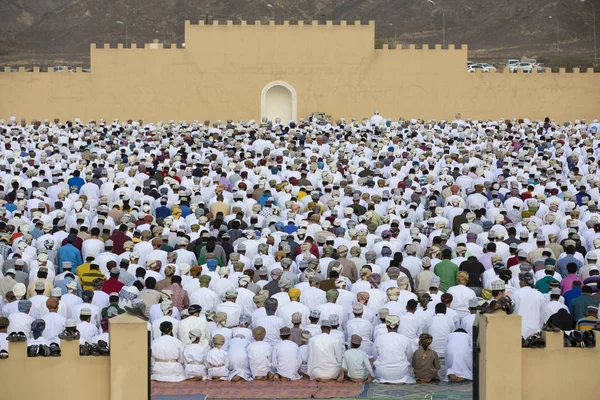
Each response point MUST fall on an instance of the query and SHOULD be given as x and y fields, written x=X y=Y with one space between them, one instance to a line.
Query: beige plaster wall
x=508 y=371
x=559 y=372
x=54 y=378
x=121 y=376
x=223 y=69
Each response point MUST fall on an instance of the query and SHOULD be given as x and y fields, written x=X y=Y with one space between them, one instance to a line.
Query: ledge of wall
x=299 y=23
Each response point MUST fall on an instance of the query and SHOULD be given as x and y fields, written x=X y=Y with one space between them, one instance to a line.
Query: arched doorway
x=278 y=99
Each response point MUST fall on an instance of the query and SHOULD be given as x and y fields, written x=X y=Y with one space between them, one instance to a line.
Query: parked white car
x=524 y=66
x=483 y=67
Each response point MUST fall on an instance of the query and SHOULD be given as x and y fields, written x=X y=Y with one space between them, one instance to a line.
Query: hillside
x=51 y=32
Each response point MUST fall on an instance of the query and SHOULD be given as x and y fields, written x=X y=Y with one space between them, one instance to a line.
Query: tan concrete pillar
x=500 y=357
x=128 y=358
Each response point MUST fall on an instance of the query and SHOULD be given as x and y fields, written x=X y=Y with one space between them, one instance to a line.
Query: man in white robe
x=467 y=322
x=194 y=357
x=286 y=358
x=245 y=296
x=270 y=322
x=205 y=297
x=167 y=356
x=286 y=311
x=238 y=359
x=361 y=327
x=459 y=356
x=393 y=354
x=233 y=310
x=324 y=355
x=439 y=327
x=529 y=304
x=552 y=307
x=259 y=355
x=194 y=321
x=166 y=306
x=55 y=323
x=461 y=295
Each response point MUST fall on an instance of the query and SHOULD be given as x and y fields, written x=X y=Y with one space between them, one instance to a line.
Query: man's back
x=324 y=357
x=447 y=271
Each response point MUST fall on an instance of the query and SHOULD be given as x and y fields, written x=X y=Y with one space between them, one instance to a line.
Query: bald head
x=52 y=304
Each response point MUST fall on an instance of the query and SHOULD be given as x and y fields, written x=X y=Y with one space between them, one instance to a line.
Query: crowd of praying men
x=268 y=250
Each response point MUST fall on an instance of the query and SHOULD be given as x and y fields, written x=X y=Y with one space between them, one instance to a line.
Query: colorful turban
x=296 y=317
x=221 y=319
x=393 y=293
x=37 y=327
x=462 y=277
x=219 y=339
x=425 y=340
x=332 y=295
x=392 y=321
x=259 y=333
x=294 y=294
x=363 y=297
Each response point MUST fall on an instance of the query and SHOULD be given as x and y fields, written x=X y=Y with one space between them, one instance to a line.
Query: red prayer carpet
x=302 y=388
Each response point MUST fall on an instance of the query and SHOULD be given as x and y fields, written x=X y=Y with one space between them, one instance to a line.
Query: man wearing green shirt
x=579 y=305
x=446 y=270
x=543 y=285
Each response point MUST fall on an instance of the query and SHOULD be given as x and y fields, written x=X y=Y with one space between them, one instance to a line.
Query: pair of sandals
x=90 y=349
x=16 y=337
x=68 y=335
x=535 y=341
x=3 y=354
x=42 y=350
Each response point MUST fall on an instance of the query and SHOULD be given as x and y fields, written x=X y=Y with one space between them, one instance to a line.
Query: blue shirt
x=561 y=265
x=163 y=212
x=290 y=229
x=185 y=211
x=62 y=284
x=69 y=253
x=571 y=295
x=76 y=181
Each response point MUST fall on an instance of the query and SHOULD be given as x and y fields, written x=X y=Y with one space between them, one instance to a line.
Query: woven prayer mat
x=300 y=389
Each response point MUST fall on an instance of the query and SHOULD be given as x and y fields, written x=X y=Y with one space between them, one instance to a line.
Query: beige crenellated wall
x=333 y=68
x=121 y=376
x=508 y=371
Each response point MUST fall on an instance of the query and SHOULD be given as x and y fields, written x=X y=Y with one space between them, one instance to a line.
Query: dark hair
x=150 y=283
x=440 y=308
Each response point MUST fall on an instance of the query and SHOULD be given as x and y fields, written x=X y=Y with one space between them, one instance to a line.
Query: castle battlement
x=250 y=69
x=297 y=23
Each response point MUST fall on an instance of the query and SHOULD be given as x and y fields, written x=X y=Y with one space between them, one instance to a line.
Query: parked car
x=484 y=67
x=526 y=67
x=60 y=68
x=511 y=62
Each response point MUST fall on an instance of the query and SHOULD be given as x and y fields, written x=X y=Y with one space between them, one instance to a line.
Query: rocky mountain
x=60 y=31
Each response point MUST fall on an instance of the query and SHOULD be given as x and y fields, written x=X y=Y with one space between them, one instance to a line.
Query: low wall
x=508 y=371
x=122 y=375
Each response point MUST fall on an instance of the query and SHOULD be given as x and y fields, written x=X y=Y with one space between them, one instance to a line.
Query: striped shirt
x=587 y=323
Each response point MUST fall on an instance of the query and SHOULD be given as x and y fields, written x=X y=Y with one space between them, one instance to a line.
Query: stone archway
x=278 y=99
